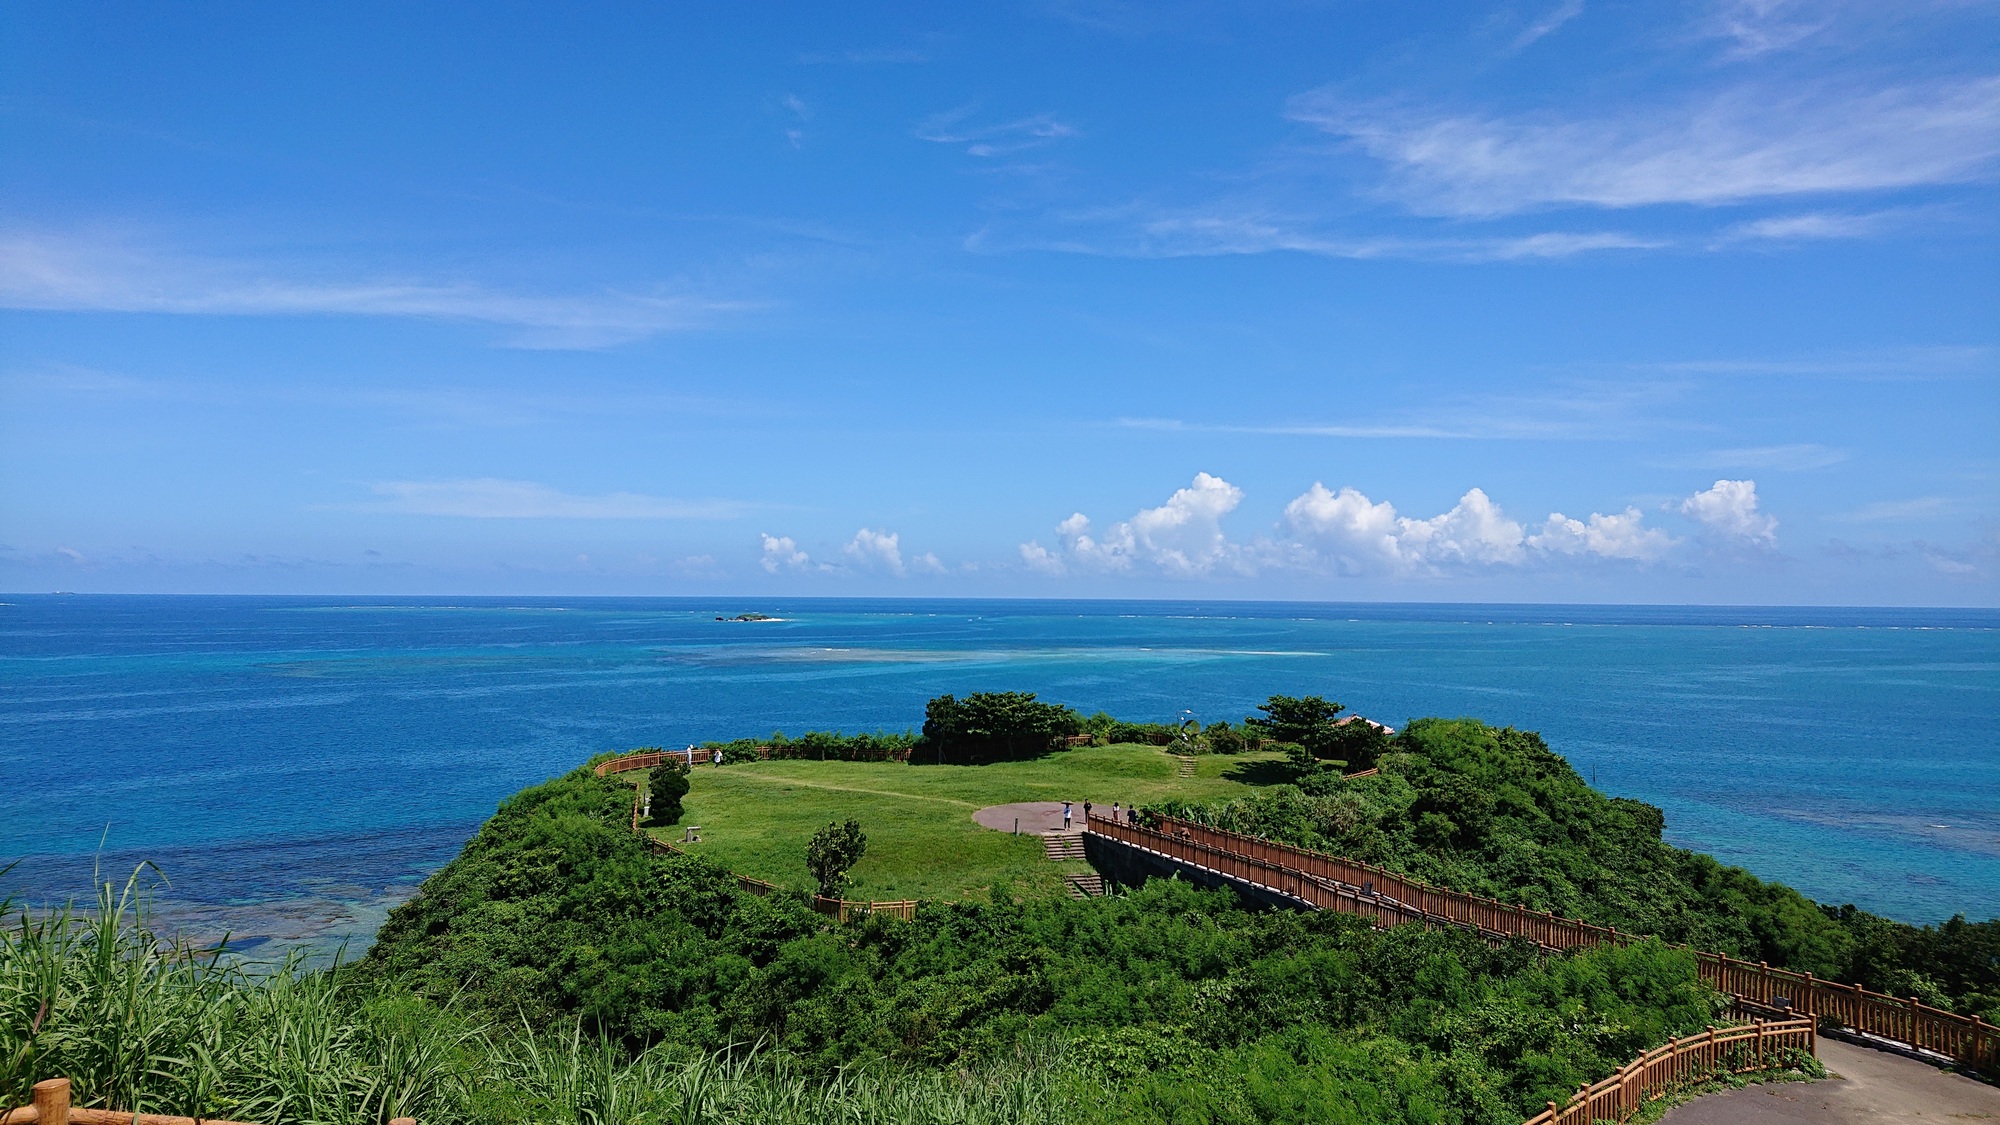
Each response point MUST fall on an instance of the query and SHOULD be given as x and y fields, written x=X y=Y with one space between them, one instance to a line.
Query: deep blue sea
x=294 y=766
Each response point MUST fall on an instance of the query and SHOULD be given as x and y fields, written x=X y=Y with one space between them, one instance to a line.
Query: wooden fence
x=1681 y=1063
x=700 y=755
x=51 y=1107
x=1330 y=882
x=647 y=759
x=840 y=909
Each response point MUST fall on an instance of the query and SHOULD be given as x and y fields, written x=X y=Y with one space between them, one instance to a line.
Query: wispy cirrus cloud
x=494 y=498
x=867 y=56
x=71 y=274
x=1750 y=142
x=1898 y=511
x=1225 y=229
x=957 y=127
x=1794 y=457
x=1548 y=24
x=1175 y=425
x=1931 y=362
x=1584 y=410
x=1811 y=226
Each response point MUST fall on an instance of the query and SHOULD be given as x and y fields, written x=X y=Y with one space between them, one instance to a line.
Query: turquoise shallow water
x=296 y=765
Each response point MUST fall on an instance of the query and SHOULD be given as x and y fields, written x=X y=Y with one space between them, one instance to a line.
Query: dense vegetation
x=138 y=1022
x=1312 y=728
x=1186 y=1005
x=994 y=726
x=991 y=726
x=559 y=971
x=1495 y=812
x=821 y=746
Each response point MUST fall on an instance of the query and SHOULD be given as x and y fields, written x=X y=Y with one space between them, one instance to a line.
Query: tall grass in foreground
x=158 y=1027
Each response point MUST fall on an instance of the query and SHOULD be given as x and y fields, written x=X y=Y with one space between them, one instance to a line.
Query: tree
x=832 y=853
x=1225 y=739
x=1307 y=723
x=989 y=725
x=666 y=784
x=1357 y=742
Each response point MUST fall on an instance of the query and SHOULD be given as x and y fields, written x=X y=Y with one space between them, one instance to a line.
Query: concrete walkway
x=1035 y=817
x=1868 y=1088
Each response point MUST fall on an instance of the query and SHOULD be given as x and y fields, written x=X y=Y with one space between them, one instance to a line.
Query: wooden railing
x=840 y=909
x=51 y=1107
x=1682 y=1063
x=647 y=759
x=1330 y=882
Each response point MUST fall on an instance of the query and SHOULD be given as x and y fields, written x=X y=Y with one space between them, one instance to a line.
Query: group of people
x=1119 y=813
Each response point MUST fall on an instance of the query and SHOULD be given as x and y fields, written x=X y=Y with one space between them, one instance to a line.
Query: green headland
x=563 y=969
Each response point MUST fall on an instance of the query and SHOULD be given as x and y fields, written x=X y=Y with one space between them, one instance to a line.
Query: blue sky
x=1552 y=301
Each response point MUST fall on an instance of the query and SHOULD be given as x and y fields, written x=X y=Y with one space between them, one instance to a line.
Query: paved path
x=1037 y=817
x=1870 y=1088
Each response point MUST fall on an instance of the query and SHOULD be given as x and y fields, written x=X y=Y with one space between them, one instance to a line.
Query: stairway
x=1063 y=845
x=1085 y=886
x=1186 y=767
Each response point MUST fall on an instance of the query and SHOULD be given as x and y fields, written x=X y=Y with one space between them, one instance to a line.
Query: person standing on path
x=1086 y=814
x=1116 y=814
x=1065 y=816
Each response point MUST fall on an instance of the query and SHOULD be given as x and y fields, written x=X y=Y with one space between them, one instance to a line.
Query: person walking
x=1065 y=816
x=1086 y=814
x=1116 y=815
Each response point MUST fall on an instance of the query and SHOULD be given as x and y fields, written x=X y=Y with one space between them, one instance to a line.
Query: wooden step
x=1085 y=886
x=1063 y=845
x=1186 y=768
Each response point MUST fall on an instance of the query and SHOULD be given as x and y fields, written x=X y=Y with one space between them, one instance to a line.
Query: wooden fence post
x=52 y=1101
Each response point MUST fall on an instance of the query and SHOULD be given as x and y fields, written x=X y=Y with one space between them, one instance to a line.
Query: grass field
x=922 y=843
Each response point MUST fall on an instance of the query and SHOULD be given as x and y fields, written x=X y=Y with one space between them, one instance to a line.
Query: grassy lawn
x=922 y=842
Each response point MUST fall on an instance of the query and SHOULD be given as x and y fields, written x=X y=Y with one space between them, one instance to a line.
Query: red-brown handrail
x=1389 y=897
x=51 y=1107
x=1680 y=1062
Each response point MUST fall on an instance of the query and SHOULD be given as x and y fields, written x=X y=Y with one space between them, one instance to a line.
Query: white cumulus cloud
x=878 y=550
x=1036 y=557
x=1621 y=536
x=1181 y=537
x=1358 y=535
x=1729 y=511
x=781 y=553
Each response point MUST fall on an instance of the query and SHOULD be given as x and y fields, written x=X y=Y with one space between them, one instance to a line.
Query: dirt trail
x=1871 y=1088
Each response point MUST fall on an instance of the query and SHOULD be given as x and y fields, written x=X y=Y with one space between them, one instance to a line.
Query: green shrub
x=994 y=725
x=832 y=853
x=1495 y=812
x=666 y=784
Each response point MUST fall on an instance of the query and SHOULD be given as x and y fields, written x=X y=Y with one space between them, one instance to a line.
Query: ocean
x=293 y=767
